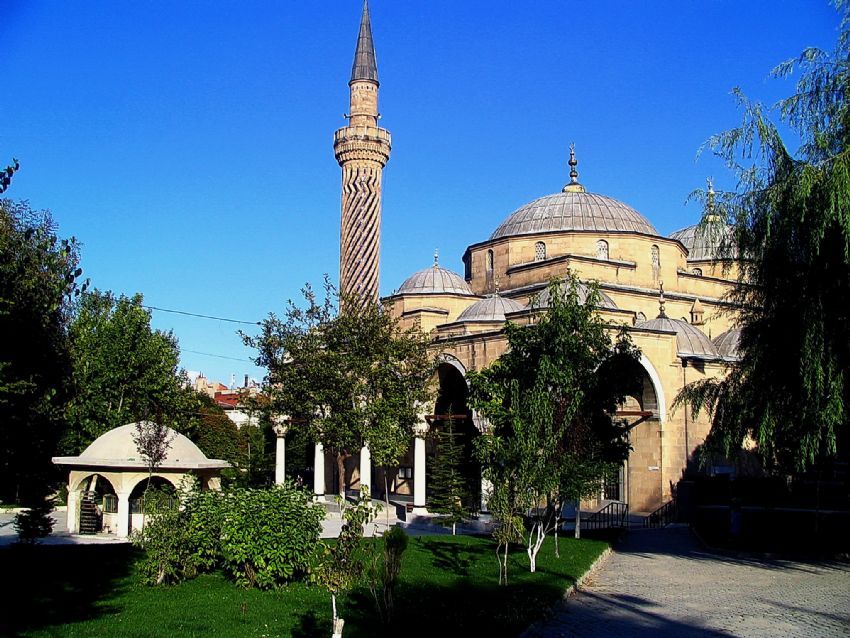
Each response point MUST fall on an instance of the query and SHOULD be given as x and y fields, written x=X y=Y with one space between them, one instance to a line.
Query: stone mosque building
x=668 y=291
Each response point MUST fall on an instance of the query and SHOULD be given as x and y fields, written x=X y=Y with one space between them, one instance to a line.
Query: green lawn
x=448 y=586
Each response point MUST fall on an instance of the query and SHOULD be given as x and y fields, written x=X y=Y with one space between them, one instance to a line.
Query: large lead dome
x=574 y=209
x=563 y=212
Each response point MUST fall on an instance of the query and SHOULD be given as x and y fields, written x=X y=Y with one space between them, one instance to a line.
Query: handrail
x=663 y=515
x=613 y=515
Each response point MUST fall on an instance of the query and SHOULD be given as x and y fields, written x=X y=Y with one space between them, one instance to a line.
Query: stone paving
x=662 y=583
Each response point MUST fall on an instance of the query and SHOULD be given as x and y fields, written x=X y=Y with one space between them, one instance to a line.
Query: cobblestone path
x=661 y=583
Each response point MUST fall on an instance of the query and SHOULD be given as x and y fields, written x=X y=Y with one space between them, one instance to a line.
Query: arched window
x=489 y=262
x=539 y=251
x=697 y=271
x=656 y=261
x=640 y=317
x=602 y=249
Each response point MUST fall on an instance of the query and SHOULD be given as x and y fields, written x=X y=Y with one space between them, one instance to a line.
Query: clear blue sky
x=188 y=145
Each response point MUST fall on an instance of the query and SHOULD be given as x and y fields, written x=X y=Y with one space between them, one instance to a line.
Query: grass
x=448 y=586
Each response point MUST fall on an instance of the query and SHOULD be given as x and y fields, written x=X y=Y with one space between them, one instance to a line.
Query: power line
x=217 y=356
x=195 y=314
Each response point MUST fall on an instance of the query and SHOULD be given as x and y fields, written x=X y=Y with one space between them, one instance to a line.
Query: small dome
x=727 y=343
x=574 y=211
x=691 y=342
x=118 y=445
x=491 y=308
x=543 y=298
x=706 y=241
x=435 y=281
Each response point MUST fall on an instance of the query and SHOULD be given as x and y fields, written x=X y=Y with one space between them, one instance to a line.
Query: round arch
x=655 y=379
x=452 y=361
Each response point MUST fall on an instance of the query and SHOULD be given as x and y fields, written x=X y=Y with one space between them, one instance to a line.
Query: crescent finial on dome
x=573 y=186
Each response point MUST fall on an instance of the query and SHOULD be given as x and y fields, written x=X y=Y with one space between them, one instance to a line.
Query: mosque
x=669 y=292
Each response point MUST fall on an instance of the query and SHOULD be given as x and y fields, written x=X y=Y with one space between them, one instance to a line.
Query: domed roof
x=691 y=342
x=435 y=281
x=727 y=343
x=710 y=240
x=116 y=448
x=568 y=211
x=491 y=308
x=543 y=299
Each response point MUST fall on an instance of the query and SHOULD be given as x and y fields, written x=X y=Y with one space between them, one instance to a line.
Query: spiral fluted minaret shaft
x=362 y=149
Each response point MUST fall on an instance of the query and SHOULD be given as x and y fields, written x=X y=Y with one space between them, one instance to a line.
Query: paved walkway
x=661 y=583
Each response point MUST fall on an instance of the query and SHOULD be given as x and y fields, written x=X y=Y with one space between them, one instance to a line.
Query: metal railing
x=612 y=516
x=663 y=516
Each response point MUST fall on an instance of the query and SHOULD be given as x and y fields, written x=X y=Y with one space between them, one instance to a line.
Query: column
x=123 y=514
x=419 y=470
x=74 y=512
x=280 y=455
x=366 y=469
x=319 y=473
x=486 y=490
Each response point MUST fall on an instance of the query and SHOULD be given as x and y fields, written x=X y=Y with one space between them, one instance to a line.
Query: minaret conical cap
x=365 y=63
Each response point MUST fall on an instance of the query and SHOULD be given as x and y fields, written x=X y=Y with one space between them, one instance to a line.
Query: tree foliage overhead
x=123 y=370
x=38 y=278
x=550 y=400
x=791 y=217
x=348 y=378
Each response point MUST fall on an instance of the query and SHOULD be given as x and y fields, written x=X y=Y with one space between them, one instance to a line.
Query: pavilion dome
x=491 y=308
x=727 y=343
x=691 y=342
x=435 y=280
x=117 y=448
x=543 y=299
x=710 y=240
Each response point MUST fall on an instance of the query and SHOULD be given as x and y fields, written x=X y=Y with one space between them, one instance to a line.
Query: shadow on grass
x=456 y=559
x=51 y=585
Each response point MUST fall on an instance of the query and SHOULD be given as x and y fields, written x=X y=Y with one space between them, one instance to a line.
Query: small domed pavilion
x=107 y=480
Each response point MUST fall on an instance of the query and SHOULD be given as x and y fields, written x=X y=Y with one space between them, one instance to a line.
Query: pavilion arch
x=113 y=480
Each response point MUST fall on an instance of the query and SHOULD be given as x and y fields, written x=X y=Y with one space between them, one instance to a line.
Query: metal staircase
x=90 y=517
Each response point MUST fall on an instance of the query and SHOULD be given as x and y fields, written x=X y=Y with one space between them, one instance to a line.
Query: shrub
x=269 y=536
x=170 y=556
x=384 y=570
x=34 y=523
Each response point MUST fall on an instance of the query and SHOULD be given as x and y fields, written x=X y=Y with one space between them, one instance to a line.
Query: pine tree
x=448 y=484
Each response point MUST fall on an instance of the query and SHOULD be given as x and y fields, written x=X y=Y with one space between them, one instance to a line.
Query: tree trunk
x=338 y=622
x=387 y=495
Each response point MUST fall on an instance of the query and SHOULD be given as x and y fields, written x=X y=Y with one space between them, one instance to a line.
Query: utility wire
x=217 y=356
x=194 y=314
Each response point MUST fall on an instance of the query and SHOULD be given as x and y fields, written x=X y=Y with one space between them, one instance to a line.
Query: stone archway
x=93 y=504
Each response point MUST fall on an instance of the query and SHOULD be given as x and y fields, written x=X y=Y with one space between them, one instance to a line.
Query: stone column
x=366 y=469
x=280 y=454
x=319 y=473
x=123 y=514
x=419 y=469
x=486 y=490
x=74 y=512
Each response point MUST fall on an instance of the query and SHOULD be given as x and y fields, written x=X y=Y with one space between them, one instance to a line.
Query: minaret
x=362 y=149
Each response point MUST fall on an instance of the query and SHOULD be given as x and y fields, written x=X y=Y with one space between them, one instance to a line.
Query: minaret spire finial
x=436 y=257
x=573 y=186
x=365 y=65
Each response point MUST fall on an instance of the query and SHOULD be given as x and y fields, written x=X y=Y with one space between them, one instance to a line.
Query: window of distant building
x=602 y=249
x=697 y=271
x=640 y=317
x=489 y=262
x=539 y=251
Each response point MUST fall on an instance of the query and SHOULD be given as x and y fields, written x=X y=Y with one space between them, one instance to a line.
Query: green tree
x=348 y=378
x=550 y=400
x=123 y=370
x=448 y=483
x=38 y=278
x=790 y=389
